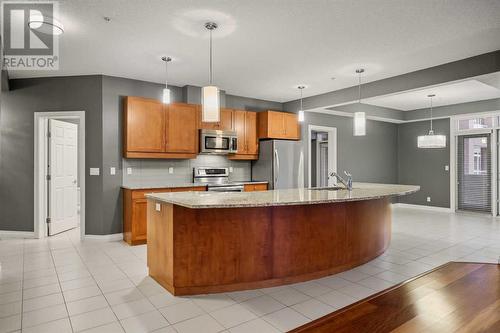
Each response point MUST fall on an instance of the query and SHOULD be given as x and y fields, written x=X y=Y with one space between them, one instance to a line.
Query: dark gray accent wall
x=27 y=96
x=245 y=103
x=370 y=158
x=424 y=167
x=113 y=91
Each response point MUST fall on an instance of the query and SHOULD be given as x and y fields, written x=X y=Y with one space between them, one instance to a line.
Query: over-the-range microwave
x=218 y=142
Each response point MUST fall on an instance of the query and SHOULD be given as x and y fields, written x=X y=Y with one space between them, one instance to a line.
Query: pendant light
x=431 y=140
x=359 y=128
x=210 y=94
x=166 y=91
x=301 y=111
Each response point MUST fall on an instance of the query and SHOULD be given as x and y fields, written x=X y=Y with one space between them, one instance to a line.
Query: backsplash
x=154 y=172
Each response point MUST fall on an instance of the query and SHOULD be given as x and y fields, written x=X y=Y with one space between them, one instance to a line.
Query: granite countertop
x=302 y=196
x=156 y=185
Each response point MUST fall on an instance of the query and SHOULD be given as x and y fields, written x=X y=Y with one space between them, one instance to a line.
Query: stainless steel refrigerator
x=281 y=163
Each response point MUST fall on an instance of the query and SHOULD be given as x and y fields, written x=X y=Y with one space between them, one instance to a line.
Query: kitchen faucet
x=347 y=183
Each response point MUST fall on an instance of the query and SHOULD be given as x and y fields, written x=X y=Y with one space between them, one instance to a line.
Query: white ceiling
x=265 y=48
x=446 y=94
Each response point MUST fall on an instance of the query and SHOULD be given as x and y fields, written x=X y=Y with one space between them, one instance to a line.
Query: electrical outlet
x=171 y=170
x=446 y=168
x=428 y=199
x=112 y=171
x=129 y=171
x=158 y=207
x=230 y=169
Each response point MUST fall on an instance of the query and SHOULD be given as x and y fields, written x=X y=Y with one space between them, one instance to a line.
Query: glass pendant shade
x=359 y=123
x=210 y=104
x=301 y=116
x=431 y=140
x=166 y=96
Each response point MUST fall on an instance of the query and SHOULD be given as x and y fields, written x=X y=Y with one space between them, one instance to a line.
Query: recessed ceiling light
x=46 y=25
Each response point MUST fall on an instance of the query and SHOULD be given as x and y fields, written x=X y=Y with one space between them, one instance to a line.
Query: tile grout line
x=98 y=287
x=60 y=287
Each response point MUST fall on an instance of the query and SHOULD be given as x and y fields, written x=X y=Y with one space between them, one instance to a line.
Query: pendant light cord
x=301 y=105
x=210 y=75
x=359 y=87
x=431 y=116
x=166 y=73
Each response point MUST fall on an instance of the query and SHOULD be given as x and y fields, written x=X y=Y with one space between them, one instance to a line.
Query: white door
x=63 y=170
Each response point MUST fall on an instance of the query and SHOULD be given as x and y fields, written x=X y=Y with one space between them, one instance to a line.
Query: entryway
x=322 y=161
x=475 y=150
x=59 y=172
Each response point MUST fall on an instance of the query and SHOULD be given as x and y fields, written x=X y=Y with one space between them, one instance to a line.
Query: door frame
x=332 y=158
x=454 y=133
x=41 y=161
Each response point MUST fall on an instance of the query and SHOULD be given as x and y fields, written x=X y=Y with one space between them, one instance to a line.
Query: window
x=476 y=123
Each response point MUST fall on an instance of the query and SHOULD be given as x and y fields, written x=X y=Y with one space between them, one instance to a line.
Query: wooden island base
x=210 y=250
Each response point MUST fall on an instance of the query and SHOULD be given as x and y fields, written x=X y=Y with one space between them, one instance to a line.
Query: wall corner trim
x=105 y=238
x=433 y=208
x=5 y=234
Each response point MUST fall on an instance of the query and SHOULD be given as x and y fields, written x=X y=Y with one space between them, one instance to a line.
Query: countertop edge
x=154 y=196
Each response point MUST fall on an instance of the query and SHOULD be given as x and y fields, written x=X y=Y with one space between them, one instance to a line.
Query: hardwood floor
x=456 y=297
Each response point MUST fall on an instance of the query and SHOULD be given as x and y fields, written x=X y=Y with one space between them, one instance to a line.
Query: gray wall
x=370 y=158
x=26 y=96
x=113 y=91
x=424 y=167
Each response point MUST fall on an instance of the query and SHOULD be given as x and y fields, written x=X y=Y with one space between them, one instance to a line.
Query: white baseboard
x=105 y=238
x=16 y=234
x=433 y=208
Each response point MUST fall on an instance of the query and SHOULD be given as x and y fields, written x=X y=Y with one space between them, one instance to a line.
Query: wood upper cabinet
x=245 y=125
x=278 y=125
x=181 y=135
x=144 y=125
x=225 y=123
x=154 y=130
x=252 y=141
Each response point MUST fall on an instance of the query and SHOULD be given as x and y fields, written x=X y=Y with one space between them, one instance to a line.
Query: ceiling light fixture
x=431 y=140
x=359 y=128
x=301 y=111
x=45 y=24
x=166 y=91
x=210 y=94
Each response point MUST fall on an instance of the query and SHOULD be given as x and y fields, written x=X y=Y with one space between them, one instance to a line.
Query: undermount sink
x=328 y=188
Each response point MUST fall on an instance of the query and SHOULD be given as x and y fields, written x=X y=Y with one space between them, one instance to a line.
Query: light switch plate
x=171 y=170
x=112 y=171
x=230 y=169
x=158 y=207
x=428 y=199
x=446 y=168
x=94 y=171
x=129 y=171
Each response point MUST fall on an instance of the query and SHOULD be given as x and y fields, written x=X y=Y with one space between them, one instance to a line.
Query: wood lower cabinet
x=255 y=187
x=225 y=123
x=245 y=125
x=278 y=125
x=135 y=212
x=154 y=130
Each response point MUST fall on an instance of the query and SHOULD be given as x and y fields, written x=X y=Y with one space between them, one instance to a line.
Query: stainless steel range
x=216 y=179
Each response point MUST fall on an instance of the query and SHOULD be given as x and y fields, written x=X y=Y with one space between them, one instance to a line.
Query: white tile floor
x=62 y=285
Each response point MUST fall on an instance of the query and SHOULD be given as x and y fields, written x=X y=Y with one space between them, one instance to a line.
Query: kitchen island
x=202 y=242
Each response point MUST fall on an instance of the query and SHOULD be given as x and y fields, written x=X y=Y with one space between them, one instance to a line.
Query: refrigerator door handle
x=277 y=171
